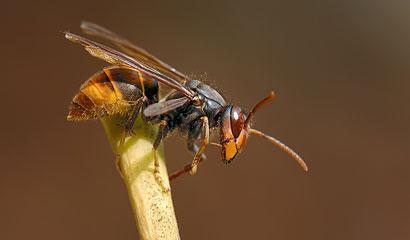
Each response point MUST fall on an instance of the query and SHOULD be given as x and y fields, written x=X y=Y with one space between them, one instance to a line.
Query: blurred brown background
x=341 y=70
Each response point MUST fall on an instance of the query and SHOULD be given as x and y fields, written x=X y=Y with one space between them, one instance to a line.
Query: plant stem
x=153 y=209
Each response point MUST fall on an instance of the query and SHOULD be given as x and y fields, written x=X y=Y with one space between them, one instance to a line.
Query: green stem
x=153 y=209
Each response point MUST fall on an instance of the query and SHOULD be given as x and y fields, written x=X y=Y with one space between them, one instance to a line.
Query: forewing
x=163 y=107
x=133 y=50
x=115 y=57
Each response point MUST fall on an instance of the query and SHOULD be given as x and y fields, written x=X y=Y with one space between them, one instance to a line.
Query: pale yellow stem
x=153 y=208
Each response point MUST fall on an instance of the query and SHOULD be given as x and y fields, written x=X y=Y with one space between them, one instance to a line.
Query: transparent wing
x=163 y=107
x=131 y=49
x=115 y=57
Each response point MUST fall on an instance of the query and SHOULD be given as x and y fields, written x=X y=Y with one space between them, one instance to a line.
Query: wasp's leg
x=138 y=105
x=194 y=148
x=204 y=143
x=162 y=132
x=132 y=117
x=200 y=131
x=129 y=124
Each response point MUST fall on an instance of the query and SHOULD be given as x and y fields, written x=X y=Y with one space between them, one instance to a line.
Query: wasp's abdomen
x=112 y=91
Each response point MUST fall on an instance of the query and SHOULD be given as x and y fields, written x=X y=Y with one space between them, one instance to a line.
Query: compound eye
x=237 y=121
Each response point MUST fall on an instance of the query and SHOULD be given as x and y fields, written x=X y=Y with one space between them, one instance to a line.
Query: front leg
x=193 y=148
x=192 y=167
x=204 y=142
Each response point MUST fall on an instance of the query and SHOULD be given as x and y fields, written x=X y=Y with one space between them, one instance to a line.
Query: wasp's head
x=235 y=129
x=234 y=132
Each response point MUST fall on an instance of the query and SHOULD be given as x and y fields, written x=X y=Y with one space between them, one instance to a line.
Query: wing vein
x=130 y=48
x=115 y=57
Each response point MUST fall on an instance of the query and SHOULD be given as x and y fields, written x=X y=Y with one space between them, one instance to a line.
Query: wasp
x=130 y=87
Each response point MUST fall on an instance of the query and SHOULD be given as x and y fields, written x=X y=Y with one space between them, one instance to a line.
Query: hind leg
x=128 y=130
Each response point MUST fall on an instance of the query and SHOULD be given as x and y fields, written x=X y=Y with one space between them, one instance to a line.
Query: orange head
x=235 y=129
x=233 y=132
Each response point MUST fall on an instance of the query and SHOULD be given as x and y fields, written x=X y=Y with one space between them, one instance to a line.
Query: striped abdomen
x=112 y=91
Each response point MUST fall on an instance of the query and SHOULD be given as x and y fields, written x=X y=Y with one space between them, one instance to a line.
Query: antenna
x=257 y=106
x=282 y=146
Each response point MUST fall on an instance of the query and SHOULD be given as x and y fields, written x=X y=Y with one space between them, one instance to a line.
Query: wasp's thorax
x=234 y=132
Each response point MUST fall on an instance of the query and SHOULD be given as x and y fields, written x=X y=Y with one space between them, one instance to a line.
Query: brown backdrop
x=341 y=70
